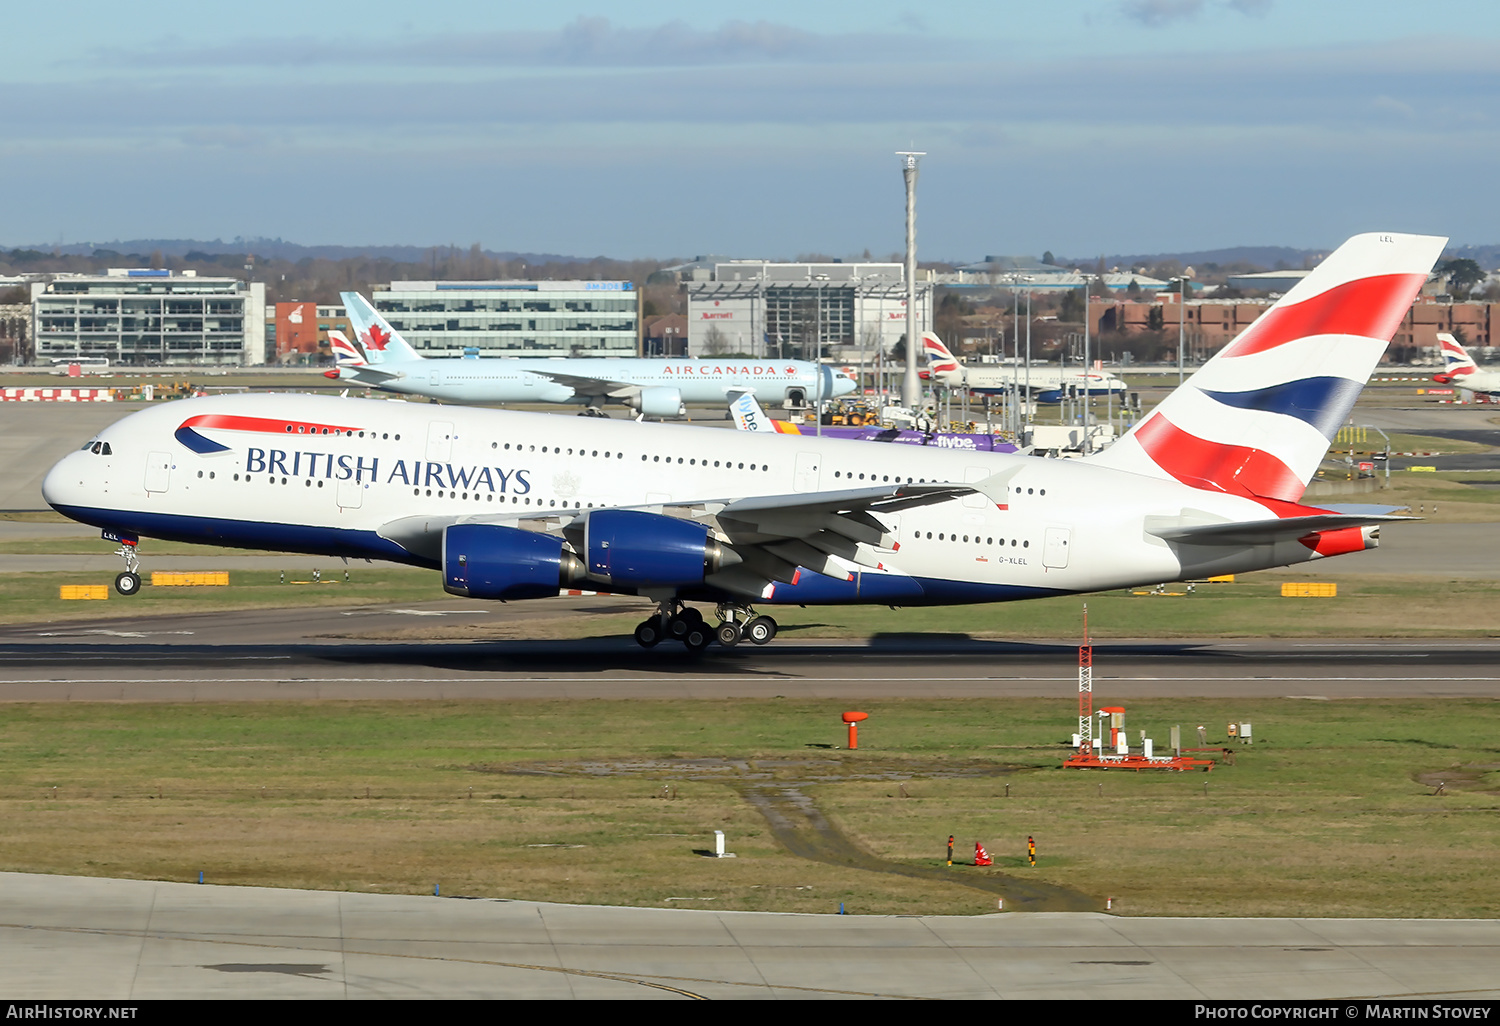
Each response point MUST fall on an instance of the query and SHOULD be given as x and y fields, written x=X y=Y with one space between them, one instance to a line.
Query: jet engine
x=489 y=561
x=629 y=548
x=658 y=401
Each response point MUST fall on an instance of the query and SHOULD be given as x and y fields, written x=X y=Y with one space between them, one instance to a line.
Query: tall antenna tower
x=1086 y=690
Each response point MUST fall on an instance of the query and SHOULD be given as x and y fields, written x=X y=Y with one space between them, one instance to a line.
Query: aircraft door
x=806 y=476
x=1055 y=547
x=351 y=493
x=440 y=441
x=158 y=471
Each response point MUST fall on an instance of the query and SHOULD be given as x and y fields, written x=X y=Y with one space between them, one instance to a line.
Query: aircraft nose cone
x=61 y=485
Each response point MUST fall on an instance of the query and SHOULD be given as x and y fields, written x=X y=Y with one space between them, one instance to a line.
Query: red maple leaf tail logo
x=375 y=338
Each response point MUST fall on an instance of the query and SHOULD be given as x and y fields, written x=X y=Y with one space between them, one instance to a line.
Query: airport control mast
x=911 y=388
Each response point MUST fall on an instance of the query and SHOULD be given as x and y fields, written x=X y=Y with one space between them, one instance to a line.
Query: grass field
x=1332 y=812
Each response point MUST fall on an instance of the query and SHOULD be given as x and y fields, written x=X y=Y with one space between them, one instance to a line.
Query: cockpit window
x=107 y=451
x=96 y=447
x=88 y=445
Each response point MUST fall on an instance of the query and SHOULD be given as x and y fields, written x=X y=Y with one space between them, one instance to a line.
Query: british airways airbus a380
x=517 y=505
x=380 y=358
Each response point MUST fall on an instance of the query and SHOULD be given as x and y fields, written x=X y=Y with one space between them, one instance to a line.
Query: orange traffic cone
x=981 y=857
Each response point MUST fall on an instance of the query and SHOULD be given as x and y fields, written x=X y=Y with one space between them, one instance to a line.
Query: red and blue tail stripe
x=1257 y=419
x=188 y=433
x=1323 y=402
x=1370 y=308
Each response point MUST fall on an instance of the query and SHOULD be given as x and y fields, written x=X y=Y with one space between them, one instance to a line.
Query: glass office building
x=149 y=318
x=514 y=318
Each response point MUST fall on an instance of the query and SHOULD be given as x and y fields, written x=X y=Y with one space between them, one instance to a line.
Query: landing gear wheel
x=760 y=630
x=697 y=638
x=648 y=633
x=729 y=634
x=128 y=583
x=684 y=621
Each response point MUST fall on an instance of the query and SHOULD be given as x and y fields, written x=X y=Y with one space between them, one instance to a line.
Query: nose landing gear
x=129 y=582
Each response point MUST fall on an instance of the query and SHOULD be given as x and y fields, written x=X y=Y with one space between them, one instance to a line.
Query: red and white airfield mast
x=1086 y=755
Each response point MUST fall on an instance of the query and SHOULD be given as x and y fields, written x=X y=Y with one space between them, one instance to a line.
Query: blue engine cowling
x=658 y=401
x=493 y=562
x=626 y=547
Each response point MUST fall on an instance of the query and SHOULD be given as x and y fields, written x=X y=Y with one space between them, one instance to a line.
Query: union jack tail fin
x=1257 y=419
x=381 y=343
x=345 y=353
x=939 y=359
x=1456 y=360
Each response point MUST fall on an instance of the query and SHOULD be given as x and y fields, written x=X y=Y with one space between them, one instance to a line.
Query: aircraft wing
x=773 y=535
x=587 y=386
x=1258 y=532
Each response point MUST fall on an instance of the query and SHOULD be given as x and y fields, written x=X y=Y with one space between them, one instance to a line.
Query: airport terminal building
x=142 y=317
x=514 y=318
x=799 y=311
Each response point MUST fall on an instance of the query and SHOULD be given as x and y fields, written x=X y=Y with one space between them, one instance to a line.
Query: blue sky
x=662 y=129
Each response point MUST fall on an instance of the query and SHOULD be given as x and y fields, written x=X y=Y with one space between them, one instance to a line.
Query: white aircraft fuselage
x=1047 y=383
x=383 y=479
x=478 y=380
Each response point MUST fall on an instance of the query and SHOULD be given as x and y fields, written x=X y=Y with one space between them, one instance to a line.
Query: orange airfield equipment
x=1088 y=755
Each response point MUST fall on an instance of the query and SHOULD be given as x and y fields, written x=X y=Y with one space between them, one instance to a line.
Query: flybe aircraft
x=1460 y=369
x=509 y=505
x=748 y=416
x=1047 y=384
x=380 y=358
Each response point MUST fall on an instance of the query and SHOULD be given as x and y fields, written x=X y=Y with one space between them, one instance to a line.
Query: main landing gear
x=675 y=621
x=741 y=623
x=128 y=583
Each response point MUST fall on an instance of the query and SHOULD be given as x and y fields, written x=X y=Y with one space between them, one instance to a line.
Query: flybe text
x=414 y=473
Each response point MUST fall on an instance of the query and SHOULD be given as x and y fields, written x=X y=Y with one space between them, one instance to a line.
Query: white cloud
x=1156 y=13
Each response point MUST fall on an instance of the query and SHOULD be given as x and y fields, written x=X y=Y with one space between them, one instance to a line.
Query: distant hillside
x=1264 y=258
x=1487 y=257
x=278 y=249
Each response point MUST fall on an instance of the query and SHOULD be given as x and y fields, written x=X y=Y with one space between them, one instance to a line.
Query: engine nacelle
x=658 y=401
x=626 y=547
x=490 y=561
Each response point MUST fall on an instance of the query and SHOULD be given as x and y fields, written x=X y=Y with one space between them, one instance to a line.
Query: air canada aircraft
x=1047 y=384
x=1460 y=369
x=510 y=505
x=380 y=358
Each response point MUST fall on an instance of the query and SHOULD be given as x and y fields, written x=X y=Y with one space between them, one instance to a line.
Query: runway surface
x=306 y=655
x=73 y=938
